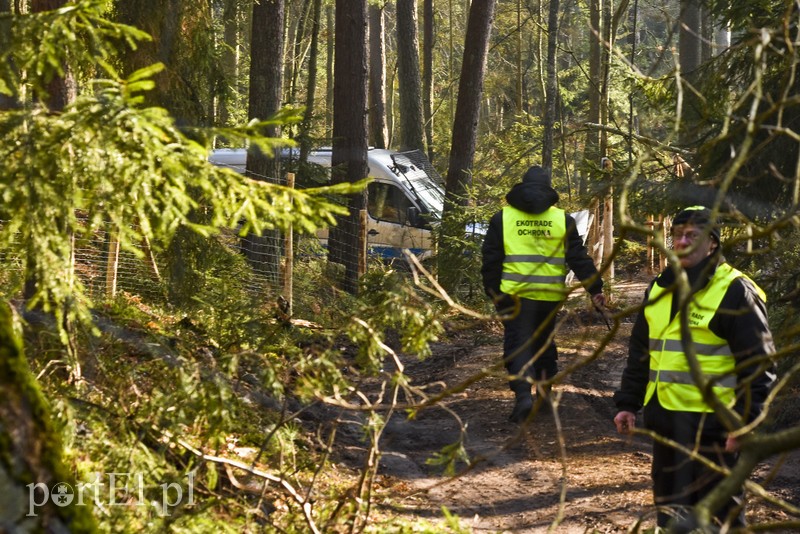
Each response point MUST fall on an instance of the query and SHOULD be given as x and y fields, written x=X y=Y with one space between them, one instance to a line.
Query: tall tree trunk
x=378 y=132
x=518 y=59
x=313 y=57
x=551 y=86
x=349 y=158
x=592 y=147
x=592 y=152
x=465 y=132
x=690 y=48
x=266 y=55
x=409 y=81
x=541 y=50
x=451 y=61
x=331 y=52
x=31 y=466
x=60 y=91
x=606 y=165
x=180 y=41
x=690 y=45
x=295 y=63
x=428 y=42
x=231 y=57
x=7 y=8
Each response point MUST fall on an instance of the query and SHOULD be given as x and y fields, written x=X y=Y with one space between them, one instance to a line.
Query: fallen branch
x=287 y=488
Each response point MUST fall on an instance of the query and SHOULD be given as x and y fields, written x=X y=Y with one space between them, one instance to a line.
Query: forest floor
x=565 y=472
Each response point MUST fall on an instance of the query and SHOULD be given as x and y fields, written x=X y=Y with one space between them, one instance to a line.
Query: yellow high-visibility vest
x=534 y=266
x=669 y=366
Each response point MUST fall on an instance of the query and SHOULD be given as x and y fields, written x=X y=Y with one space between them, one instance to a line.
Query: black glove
x=505 y=303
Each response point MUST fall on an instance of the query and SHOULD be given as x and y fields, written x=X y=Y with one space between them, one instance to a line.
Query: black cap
x=699 y=216
x=537 y=175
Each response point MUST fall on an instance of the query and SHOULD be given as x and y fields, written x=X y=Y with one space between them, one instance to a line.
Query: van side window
x=387 y=202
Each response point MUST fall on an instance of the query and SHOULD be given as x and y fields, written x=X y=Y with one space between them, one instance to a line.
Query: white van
x=404 y=199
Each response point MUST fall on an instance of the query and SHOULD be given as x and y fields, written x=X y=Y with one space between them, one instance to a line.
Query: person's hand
x=731 y=444
x=599 y=300
x=625 y=421
x=504 y=304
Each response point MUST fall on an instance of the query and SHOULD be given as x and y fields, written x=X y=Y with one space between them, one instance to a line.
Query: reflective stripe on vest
x=534 y=266
x=669 y=367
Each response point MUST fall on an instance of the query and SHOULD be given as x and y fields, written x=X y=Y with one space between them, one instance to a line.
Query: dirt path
x=570 y=472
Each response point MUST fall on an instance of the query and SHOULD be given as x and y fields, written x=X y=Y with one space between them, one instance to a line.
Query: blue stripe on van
x=392 y=253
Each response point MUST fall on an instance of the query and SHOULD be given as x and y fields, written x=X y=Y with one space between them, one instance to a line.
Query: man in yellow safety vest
x=529 y=246
x=718 y=325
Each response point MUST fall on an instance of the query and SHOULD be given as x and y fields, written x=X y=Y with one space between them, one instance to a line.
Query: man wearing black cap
x=526 y=252
x=722 y=324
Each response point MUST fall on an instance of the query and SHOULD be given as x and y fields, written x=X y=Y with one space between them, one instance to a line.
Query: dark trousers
x=528 y=345
x=678 y=482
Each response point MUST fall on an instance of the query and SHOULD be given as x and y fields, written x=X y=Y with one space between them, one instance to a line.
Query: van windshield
x=422 y=179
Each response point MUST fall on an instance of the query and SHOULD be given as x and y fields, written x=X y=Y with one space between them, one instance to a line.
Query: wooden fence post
x=288 y=265
x=665 y=227
x=362 y=241
x=112 y=265
x=650 y=253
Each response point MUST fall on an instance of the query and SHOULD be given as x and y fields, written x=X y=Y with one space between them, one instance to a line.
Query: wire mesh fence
x=402 y=209
x=105 y=269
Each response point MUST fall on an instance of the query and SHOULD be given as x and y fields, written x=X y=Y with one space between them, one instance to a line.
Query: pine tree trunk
x=690 y=48
x=409 y=80
x=31 y=466
x=378 y=132
x=295 y=62
x=551 y=86
x=591 y=156
x=427 y=73
x=61 y=90
x=331 y=53
x=465 y=133
x=266 y=53
x=6 y=101
x=349 y=158
x=313 y=57
x=230 y=58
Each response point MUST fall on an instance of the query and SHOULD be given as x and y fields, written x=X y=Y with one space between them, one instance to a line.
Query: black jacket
x=534 y=198
x=741 y=320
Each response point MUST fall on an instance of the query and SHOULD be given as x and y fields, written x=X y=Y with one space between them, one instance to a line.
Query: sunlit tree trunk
x=378 y=131
x=6 y=8
x=540 y=53
x=690 y=56
x=606 y=165
x=231 y=57
x=551 y=86
x=313 y=57
x=266 y=53
x=180 y=42
x=294 y=63
x=465 y=132
x=518 y=84
x=592 y=144
x=592 y=148
x=408 y=74
x=349 y=158
x=428 y=41
x=451 y=70
x=330 y=49
x=31 y=465
x=61 y=91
